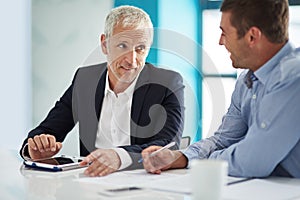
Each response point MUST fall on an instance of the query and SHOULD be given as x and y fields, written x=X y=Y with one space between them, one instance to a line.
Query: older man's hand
x=43 y=146
x=102 y=162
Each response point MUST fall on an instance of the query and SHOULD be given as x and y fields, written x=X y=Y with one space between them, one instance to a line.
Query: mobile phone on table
x=120 y=191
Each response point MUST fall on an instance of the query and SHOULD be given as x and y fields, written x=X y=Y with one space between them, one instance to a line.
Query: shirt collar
x=263 y=72
x=129 y=91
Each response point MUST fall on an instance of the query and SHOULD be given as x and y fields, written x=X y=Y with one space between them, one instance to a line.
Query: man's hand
x=103 y=162
x=43 y=146
x=159 y=162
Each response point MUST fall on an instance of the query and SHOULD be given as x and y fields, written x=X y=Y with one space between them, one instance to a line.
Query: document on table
x=264 y=189
x=178 y=181
x=128 y=178
x=238 y=188
x=170 y=181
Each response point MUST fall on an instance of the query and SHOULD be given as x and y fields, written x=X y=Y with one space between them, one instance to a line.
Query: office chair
x=185 y=142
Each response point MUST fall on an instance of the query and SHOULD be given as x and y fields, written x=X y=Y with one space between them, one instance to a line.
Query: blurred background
x=43 y=42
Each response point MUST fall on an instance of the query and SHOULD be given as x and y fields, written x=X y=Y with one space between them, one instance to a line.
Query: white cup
x=208 y=178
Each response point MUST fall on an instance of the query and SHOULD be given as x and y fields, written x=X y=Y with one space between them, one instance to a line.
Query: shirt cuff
x=183 y=151
x=124 y=157
x=25 y=157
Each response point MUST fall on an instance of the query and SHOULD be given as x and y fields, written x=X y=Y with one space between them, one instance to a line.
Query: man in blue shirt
x=260 y=133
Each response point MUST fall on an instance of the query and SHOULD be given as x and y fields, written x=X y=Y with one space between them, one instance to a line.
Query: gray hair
x=127 y=16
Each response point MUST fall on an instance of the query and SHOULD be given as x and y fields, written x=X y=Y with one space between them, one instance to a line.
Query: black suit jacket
x=157 y=110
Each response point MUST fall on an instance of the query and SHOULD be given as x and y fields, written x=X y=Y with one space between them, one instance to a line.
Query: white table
x=17 y=183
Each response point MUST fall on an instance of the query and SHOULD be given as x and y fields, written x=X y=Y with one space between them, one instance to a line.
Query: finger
x=94 y=169
x=145 y=154
x=159 y=162
x=153 y=169
x=38 y=143
x=52 y=143
x=100 y=169
x=58 y=145
x=146 y=161
x=85 y=161
x=105 y=167
x=148 y=165
x=45 y=142
x=151 y=149
x=88 y=159
x=106 y=171
x=101 y=164
x=31 y=144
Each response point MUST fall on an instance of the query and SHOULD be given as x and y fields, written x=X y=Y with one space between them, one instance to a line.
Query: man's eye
x=122 y=46
x=140 y=48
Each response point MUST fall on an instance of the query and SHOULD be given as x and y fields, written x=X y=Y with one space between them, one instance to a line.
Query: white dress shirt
x=114 y=123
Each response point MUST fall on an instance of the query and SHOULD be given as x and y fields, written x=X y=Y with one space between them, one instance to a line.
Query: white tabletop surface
x=17 y=183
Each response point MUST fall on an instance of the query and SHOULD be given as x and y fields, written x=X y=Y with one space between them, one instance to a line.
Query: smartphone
x=60 y=163
x=120 y=191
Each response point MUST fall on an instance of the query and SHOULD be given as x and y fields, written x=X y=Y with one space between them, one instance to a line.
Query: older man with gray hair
x=122 y=106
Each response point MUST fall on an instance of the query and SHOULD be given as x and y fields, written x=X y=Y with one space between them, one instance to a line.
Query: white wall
x=294 y=28
x=15 y=83
x=64 y=35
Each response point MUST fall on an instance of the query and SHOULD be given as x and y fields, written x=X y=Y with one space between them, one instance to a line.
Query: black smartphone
x=121 y=191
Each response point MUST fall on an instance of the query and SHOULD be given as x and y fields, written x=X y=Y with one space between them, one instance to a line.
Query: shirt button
x=263 y=125
x=254 y=96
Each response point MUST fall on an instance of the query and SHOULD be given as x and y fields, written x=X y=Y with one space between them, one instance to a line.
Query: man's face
x=126 y=52
x=237 y=47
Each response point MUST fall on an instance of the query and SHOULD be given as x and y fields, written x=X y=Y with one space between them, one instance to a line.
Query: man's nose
x=221 y=41
x=131 y=56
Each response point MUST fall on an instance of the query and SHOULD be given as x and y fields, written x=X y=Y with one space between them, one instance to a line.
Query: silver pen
x=159 y=150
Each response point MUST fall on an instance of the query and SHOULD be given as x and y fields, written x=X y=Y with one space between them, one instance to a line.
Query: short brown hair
x=270 y=16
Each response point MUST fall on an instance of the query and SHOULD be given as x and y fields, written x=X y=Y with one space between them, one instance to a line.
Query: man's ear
x=253 y=35
x=103 y=43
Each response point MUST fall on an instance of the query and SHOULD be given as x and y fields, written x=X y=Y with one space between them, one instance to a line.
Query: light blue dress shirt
x=260 y=133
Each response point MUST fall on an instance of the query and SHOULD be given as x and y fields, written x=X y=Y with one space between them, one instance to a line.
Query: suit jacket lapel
x=100 y=93
x=139 y=95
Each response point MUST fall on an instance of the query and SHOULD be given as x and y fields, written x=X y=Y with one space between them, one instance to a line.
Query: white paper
x=127 y=178
x=177 y=181
x=263 y=189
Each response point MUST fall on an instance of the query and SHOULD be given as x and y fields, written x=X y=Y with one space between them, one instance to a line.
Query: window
x=217 y=68
x=218 y=74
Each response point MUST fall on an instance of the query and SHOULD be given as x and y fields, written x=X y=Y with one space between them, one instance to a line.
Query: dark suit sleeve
x=58 y=122
x=168 y=93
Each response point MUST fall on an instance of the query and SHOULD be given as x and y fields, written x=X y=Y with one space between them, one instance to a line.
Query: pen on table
x=159 y=150
x=239 y=181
